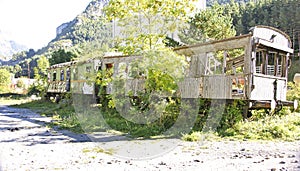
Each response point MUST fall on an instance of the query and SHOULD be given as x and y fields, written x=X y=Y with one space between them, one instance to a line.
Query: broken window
x=269 y=63
x=234 y=61
x=109 y=69
x=213 y=65
x=122 y=69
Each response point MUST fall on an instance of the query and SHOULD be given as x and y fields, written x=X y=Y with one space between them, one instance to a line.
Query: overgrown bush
x=20 y=83
x=36 y=89
x=293 y=92
x=271 y=127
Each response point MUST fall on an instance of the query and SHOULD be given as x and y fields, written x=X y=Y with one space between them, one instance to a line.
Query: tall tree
x=145 y=24
x=61 y=56
x=210 y=24
x=17 y=70
x=42 y=65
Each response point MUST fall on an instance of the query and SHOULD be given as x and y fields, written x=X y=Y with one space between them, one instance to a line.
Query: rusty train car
x=251 y=67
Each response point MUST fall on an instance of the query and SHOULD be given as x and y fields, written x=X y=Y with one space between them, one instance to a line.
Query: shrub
x=284 y=127
x=20 y=83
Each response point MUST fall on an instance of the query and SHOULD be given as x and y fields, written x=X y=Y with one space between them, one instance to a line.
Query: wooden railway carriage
x=258 y=75
x=75 y=76
x=251 y=67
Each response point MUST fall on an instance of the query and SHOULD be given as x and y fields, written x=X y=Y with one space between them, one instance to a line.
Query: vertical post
x=247 y=68
x=225 y=54
x=276 y=67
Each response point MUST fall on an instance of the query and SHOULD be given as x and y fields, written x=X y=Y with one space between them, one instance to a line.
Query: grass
x=13 y=99
x=63 y=114
x=98 y=150
x=284 y=126
x=200 y=136
x=270 y=127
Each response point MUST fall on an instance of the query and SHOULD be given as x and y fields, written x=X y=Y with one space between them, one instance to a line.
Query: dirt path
x=27 y=144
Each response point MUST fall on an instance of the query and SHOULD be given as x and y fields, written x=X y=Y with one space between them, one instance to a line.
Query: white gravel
x=26 y=144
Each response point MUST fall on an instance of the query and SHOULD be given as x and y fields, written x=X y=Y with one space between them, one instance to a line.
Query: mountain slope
x=8 y=47
x=86 y=27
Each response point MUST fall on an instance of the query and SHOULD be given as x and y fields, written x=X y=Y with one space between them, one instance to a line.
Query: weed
x=98 y=150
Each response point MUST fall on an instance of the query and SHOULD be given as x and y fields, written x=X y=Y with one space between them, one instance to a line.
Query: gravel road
x=27 y=144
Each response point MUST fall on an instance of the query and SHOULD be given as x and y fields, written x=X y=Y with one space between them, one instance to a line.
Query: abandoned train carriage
x=258 y=75
x=75 y=76
x=251 y=67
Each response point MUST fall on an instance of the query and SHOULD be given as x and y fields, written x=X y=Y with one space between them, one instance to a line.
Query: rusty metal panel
x=217 y=86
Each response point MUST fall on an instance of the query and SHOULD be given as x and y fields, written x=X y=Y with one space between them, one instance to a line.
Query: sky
x=33 y=23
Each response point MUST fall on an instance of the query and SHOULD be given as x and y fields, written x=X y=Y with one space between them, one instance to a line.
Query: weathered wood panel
x=197 y=65
x=190 y=87
x=217 y=86
x=213 y=46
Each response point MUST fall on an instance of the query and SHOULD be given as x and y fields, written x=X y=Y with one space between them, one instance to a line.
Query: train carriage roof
x=264 y=35
x=60 y=65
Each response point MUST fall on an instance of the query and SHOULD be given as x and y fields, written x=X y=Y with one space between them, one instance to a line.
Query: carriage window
x=122 y=69
x=68 y=74
x=279 y=66
x=109 y=66
x=213 y=65
x=62 y=75
x=54 y=76
x=259 y=62
x=271 y=63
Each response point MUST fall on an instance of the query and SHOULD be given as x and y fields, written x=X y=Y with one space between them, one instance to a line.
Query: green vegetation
x=4 y=80
x=97 y=150
x=149 y=39
x=13 y=99
x=284 y=125
x=61 y=56
x=40 y=75
x=268 y=127
x=84 y=116
x=82 y=119
x=63 y=114
x=212 y=24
